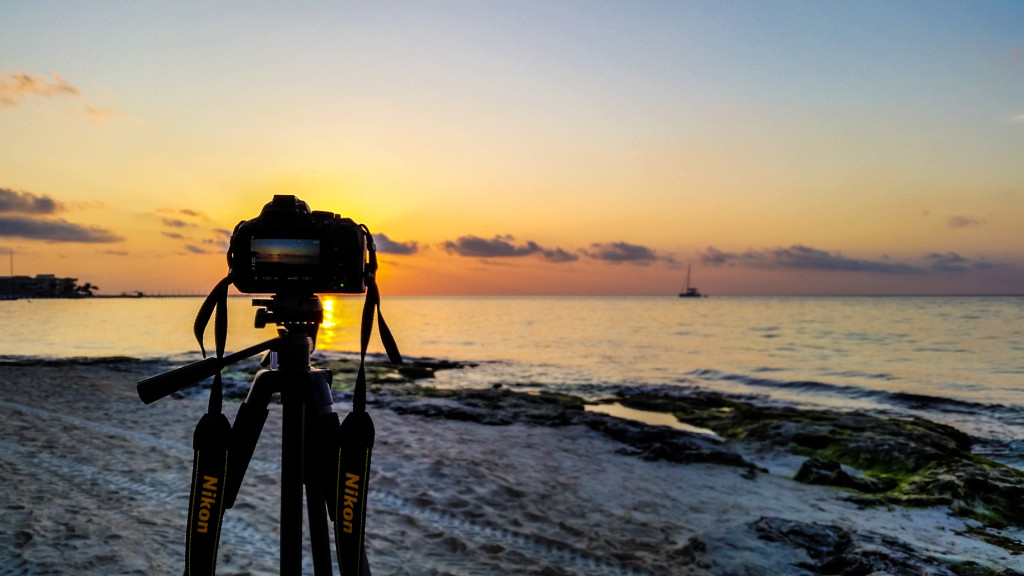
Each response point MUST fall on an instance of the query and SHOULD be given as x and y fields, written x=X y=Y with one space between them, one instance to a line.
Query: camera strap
x=210 y=444
x=355 y=439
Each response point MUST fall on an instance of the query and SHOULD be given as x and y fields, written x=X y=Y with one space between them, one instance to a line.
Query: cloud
x=190 y=227
x=497 y=247
x=27 y=203
x=220 y=244
x=623 y=252
x=948 y=262
x=54 y=231
x=100 y=115
x=953 y=262
x=506 y=247
x=386 y=245
x=799 y=257
x=17 y=86
x=559 y=256
x=962 y=222
x=188 y=212
x=221 y=239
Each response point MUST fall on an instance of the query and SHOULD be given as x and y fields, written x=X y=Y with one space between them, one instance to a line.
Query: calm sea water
x=956 y=360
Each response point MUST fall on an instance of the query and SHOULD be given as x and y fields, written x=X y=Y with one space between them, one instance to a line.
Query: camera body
x=290 y=251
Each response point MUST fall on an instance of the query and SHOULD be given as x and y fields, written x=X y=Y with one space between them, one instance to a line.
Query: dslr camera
x=290 y=251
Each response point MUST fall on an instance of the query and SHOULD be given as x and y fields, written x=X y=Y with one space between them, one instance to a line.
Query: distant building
x=42 y=286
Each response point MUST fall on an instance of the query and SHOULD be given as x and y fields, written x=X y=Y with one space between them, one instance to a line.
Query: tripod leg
x=293 y=400
x=321 y=425
x=244 y=436
x=318 y=535
x=252 y=415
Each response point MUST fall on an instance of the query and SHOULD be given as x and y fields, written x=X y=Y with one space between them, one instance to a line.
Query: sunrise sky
x=540 y=147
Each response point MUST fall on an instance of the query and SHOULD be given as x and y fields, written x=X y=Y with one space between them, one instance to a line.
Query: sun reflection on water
x=328 y=322
x=338 y=331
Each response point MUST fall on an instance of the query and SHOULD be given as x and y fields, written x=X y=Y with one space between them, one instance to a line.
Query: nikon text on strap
x=210 y=443
x=355 y=441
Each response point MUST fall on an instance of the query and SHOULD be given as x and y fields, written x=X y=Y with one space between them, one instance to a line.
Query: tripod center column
x=295 y=384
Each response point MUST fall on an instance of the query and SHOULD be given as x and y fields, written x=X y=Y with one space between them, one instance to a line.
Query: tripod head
x=295 y=315
x=301 y=314
x=298 y=318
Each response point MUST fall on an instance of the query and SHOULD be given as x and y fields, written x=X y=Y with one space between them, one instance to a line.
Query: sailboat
x=690 y=291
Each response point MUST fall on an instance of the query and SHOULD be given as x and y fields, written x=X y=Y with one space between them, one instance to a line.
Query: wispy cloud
x=191 y=227
x=386 y=245
x=962 y=222
x=799 y=257
x=100 y=115
x=54 y=230
x=186 y=212
x=15 y=87
x=221 y=239
x=27 y=203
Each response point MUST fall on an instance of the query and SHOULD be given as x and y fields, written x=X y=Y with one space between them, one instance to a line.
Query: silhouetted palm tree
x=86 y=289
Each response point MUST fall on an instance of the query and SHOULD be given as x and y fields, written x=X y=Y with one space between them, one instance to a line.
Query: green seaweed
x=1014 y=547
x=909 y=461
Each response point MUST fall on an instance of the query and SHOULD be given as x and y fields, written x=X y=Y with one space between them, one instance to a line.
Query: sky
x=527 y=147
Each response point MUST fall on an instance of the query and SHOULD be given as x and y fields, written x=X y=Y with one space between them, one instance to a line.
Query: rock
x=500 y=406
x=663 y=443
x=490 y=406
x=905 y=461
x=835 y=550
x=416 y=372
x=828 y=473
x=902 y=461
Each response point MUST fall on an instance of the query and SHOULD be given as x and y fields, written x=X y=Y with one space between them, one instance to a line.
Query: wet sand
x=95 y=482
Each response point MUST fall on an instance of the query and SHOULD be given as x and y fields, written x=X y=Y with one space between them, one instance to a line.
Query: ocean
x=956 y=360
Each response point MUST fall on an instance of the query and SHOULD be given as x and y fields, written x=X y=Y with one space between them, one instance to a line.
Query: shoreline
x=483 y=481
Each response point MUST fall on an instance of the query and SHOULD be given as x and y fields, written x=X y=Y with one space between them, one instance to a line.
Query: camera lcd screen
x=285 y=251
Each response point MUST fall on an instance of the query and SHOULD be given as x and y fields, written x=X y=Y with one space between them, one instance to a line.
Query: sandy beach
x=95 y=482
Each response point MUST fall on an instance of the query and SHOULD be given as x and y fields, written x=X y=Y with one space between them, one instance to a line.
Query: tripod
x=311 y=434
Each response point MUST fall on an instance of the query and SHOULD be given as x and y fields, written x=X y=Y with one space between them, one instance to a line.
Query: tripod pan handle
x=152 y=389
